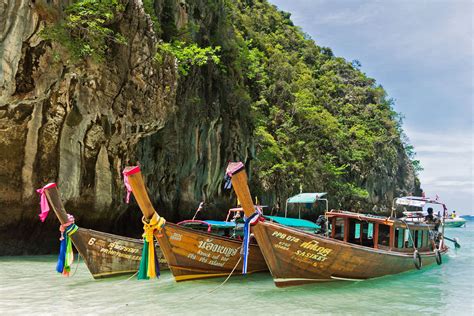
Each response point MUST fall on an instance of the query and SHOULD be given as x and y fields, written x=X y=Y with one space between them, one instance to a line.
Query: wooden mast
x=52 y=194
x=241 y=188
x=135 y=179
x=54 y=199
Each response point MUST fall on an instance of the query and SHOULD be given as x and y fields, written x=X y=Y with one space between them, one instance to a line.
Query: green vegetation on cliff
x=85 y=31
x=320 y=122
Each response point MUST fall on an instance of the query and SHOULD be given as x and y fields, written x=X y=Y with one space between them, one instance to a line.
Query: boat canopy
x=210 y=223
x=293 y=222
x=305 y=198
x=417 y=201
x=221 y=224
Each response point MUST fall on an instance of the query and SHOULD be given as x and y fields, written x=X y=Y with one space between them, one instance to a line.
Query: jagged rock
x=80 y=124
x=77 y=124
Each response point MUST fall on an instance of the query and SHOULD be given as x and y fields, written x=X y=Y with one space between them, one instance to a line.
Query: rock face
x=76 y=124
x=79 y=124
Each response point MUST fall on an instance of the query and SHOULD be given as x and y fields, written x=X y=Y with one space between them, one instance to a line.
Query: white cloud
x=422 y=52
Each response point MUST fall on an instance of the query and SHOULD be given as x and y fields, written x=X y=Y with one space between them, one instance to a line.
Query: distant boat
x=455 y=222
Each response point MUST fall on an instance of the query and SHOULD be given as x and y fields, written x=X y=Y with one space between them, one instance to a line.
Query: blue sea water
x=30 y=285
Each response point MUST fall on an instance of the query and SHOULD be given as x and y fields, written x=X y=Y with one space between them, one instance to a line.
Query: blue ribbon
x=62 y=255
x=228 y=182
x=246 y=241
x=71 y=229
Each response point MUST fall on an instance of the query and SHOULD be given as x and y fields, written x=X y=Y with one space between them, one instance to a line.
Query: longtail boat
x=105 y=255
x=192 y=254
x=455 y=222
x=358 y=247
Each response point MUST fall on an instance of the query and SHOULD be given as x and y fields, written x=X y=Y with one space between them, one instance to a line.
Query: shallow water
x=31 y=285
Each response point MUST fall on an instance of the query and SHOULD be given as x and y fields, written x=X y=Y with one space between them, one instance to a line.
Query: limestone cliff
x=79 y=123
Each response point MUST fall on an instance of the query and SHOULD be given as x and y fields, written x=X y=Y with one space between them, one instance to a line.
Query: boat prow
x=359 y=246
x=194 y=254
x=105 y=254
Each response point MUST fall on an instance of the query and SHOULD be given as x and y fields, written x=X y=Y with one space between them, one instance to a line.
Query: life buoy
x=417 y=260
x=439 y=260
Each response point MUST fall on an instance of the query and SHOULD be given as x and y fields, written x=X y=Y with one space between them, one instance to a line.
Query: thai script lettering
x=176 y=237
x=216 y=248
x=314 y=246
x=282 y=245
x=119 y=247
x=112 y=252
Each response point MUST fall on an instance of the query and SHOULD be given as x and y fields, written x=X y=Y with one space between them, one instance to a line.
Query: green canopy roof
x=306 y=197
x=293 y=222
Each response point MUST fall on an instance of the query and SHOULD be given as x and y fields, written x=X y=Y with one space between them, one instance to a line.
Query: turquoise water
x=30 y=285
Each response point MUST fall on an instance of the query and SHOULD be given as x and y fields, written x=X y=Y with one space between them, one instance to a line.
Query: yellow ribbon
x=155 y=223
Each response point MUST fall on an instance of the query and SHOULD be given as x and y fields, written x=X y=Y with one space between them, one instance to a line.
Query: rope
x=77 y=264
x=220 y=285
x=128 y=279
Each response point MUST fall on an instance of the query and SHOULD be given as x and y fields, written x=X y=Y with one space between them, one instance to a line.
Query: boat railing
x=188 y=221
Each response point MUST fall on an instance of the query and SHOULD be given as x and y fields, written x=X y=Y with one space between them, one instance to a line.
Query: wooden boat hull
x=108 y=255
x=193 y=254
x=295 y=257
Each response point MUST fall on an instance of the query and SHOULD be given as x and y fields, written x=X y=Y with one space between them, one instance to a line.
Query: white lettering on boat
x=176 y=237
x=284 y=236
x=216 y=248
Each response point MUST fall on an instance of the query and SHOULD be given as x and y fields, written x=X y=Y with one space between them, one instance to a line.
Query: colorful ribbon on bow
x=245 y=243
x=127 y=186
x=44 y=201
x=66 y=255
x=149 y=265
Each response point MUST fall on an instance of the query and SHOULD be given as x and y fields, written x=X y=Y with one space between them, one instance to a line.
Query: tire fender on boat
x=417 y=260
x=439 y=260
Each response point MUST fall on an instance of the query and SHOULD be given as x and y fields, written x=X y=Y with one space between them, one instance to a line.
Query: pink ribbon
x=44 y=205
x=126 y=172
x=233 y=167
x=44 y=201
x=128 y=186
x=62 y=227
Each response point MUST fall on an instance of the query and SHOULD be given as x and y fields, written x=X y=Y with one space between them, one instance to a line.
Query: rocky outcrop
x=80 y=123
x=77 y=124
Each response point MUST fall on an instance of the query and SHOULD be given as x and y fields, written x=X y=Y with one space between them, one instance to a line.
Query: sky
x=421 y=52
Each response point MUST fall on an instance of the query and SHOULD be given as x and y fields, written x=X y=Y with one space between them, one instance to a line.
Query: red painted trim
x=133 y=170
x=196 y=221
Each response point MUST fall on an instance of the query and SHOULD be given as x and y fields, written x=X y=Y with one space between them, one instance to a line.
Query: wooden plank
x=346 y=229
x=333 y=230
x=391 y=242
